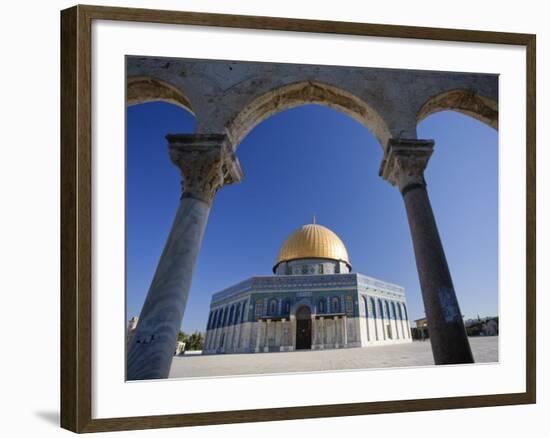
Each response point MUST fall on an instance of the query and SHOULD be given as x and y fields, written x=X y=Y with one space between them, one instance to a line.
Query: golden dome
x=313 y=241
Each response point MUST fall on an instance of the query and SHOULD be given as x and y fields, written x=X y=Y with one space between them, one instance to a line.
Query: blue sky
x=307 y=160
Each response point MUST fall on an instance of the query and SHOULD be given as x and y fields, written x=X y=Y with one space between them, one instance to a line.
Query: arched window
x=365 y=301
x=225 y=312
x=399 y=311
x=322 y=305
x=245 y=311
x=231 y=313
x=286 y=306
x=258 y=308
x=273 y=307
x=212 y=321
x=237 y=313
x=381 y=309
x=373 y=311
x=348 y=306
x=335 y=305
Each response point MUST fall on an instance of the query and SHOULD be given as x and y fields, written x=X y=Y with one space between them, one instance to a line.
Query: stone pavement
x=418 y=353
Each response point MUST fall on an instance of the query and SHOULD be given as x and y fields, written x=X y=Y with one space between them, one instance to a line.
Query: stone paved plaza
x=418 y=353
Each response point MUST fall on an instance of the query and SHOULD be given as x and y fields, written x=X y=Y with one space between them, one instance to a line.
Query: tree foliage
x=193 y=341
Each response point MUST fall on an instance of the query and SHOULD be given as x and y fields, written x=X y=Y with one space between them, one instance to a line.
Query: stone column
x=237 y=338
x=381 y=309
x=284 y=335
x=313 y=330
x=322 y=334
x=394 y=319
x=367 y=320
x=337 y=334
x=345 y=320
x=207 y=163
x=258 y=335
x=293 y=331
x=403 y=166
x=278 y=329
x=266 y=338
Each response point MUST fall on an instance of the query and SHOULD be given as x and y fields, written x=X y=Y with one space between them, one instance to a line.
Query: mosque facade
x=312 y=302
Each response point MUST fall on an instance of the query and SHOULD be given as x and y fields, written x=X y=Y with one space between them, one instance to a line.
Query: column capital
x=206 y=161
x=404 y=162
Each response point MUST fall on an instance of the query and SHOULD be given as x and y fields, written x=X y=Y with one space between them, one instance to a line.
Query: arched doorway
x=303 y=328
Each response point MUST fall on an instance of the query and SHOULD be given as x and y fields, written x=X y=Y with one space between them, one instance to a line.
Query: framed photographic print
x=268 y=218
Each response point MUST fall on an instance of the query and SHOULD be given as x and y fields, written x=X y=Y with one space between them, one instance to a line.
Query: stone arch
x=463 y=101
x=303 y=328
x=299 y=303
x=142 y=89
x=303 y=312
x=302 y=93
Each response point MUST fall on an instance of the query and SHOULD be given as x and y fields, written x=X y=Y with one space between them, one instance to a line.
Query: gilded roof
x=313 y=241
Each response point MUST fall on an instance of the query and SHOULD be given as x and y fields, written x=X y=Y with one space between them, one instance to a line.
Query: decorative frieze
x=206 y=162
x=404 y=162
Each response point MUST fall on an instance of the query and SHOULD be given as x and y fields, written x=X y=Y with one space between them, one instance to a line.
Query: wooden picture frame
x=76 y=217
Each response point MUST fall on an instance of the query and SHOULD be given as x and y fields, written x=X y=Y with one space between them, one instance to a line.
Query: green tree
x=193 y=342
x=182 y=337
x=196 y=341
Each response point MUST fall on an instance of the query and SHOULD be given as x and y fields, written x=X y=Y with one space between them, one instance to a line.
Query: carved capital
x=206 y=162
x=404 y=162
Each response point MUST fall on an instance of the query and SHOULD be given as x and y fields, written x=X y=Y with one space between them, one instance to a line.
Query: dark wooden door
x=303 y=329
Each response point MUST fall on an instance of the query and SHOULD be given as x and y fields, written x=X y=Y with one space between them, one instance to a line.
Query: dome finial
x=314 y=219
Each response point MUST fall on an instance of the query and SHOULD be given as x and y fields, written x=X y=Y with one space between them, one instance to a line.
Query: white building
x=313 y=301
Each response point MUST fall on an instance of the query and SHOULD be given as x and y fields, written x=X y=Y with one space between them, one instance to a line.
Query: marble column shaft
x=345 y=327
x=403 y=166
x=206 y=164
